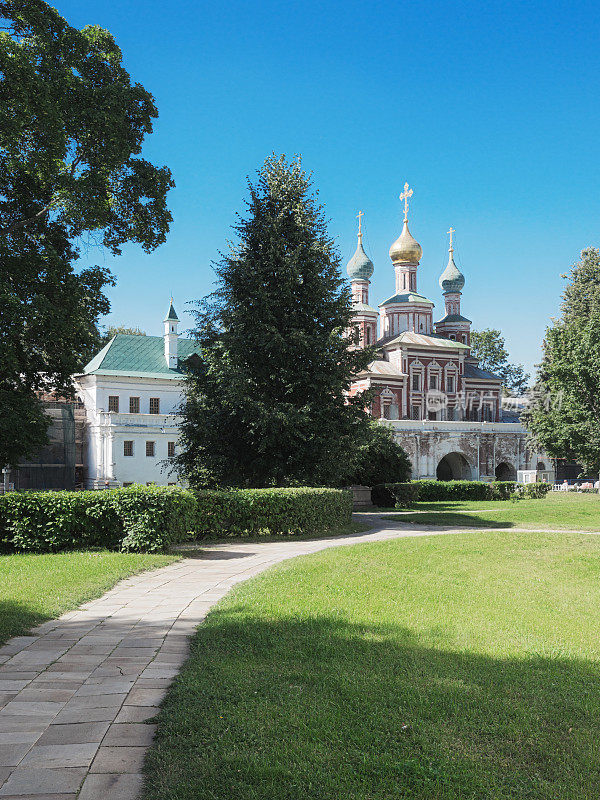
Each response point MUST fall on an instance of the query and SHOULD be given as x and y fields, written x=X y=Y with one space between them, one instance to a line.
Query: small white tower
x=171 y=322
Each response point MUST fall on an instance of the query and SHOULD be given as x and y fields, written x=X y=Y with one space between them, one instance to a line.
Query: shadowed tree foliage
x=266 y=403
x=71 y=130
x=111 y=331
x=564 y=410
x=379 y=459
x=489 y=347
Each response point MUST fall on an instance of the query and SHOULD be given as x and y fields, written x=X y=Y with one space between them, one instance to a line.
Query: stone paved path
x=76 y=693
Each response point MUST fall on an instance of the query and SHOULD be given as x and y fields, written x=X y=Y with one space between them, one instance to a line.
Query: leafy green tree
x=489 y=347
x=564 y=409
x=112 y=330
x=266 y=402
x=379 y=459
x=71 y=130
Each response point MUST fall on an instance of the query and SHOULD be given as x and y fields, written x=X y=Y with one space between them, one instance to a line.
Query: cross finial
x=404 y=196
x=359 y=216
x=451 y=231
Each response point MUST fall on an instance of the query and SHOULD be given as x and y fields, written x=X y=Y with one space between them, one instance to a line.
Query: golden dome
x=406 y=249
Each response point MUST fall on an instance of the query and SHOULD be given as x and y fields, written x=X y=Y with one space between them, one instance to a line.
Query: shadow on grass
x=457 y=520
x=326 y=710
x=17 y=619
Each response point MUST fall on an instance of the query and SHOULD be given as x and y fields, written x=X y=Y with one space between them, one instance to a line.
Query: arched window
x=368 y=334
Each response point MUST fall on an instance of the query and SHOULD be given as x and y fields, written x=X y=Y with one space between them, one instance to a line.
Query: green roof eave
x=407 y=297
x=171 y=375
x=364 y=307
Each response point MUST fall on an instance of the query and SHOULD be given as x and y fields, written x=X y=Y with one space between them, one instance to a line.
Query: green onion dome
x=360 y=267
x=452 y=279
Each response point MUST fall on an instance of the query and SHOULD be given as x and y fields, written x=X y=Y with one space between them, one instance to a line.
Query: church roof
x=472 y=371
x=381 y=367
x=139 y=357
x=406 y=297
x=171 y=316
x=363 y=307
x=421 y=340
x=453 y=318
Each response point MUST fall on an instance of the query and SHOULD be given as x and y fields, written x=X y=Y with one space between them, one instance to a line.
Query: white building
x=132 y=391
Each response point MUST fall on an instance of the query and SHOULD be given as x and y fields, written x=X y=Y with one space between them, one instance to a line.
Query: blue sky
x=489 y=110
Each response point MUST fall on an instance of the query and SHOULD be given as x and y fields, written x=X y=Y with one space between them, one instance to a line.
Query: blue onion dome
x=452 y=279
x=360 y=267
x=406 y=249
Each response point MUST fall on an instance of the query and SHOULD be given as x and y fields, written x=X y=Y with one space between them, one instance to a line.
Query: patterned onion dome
x=406 y=249
x=452 y=279
x=360 y=267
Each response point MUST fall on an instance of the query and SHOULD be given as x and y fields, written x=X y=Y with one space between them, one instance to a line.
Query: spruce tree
x=266 y=401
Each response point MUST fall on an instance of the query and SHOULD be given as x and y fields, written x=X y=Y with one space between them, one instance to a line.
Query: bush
x=503 y=490
x=379 y=459
x=396 y=495
x=259 y=511
x=429 y=491
x=152 y=518
x=533 y=491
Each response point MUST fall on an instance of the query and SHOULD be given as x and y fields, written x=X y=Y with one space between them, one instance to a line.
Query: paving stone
x=35 y=709
x=69 y=716
x=119 y=759
x=129 y=734
x=53 y=756
x=145 y=697
x=43 y=781
x=74 y=733
x=112 y=787
x=40 y=797
x=104 y=686
x=136 y=714
x=96 y=701
x=12 y=754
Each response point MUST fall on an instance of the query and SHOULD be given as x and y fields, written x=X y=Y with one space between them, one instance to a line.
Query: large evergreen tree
x=72 y=125
x=266 y=401
x=564 y=411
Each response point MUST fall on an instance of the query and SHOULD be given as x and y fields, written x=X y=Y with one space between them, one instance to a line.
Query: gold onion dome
x=406 y=249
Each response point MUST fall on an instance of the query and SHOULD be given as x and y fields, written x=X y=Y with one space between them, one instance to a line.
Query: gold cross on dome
x=451 y=231
x=359 y=217
x=404 y=196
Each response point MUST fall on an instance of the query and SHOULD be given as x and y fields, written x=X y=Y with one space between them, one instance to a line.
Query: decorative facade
x=444 y=409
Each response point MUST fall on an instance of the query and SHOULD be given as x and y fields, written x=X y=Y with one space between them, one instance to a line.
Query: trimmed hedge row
x=403 y=495
x=151 y=518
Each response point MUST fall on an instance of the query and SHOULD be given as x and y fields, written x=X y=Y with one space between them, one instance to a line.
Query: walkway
x=77 y=693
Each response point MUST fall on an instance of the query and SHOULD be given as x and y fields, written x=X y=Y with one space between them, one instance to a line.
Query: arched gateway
x=505 y=472
x=453 y=467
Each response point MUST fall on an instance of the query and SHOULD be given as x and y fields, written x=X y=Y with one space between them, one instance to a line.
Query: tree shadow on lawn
x=17 y=619
x=321 y=709
x=453 y=519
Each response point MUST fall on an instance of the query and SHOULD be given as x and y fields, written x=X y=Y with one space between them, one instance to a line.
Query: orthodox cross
x=451 y=231
x=404 y=196
x=359 y=217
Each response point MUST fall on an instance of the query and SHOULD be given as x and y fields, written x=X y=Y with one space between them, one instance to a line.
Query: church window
x=450 y=383
x=113 y=402
x=368 y=335
x=415 y=412
x=134 y=405
x=453 y=336
x=386 y=411
x=150 y=449
x=486 y=413
x=127 y=448
x=433 y=382
x=171 y=449
x=416 y=382
x=155 y=405
x=451 y=413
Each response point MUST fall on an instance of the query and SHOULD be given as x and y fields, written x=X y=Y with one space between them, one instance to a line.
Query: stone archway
x=505 y=472
x=453 y=467
x=540 y=466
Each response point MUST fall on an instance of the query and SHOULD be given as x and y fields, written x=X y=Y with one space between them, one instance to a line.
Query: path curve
x=76 y=693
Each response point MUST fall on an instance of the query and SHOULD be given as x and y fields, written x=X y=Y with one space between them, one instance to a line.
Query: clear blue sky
x=489 y=110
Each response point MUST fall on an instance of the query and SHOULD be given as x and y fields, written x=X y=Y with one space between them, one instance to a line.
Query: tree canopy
x=379 y=459
x=72 y=125
x=266 y=403
x=489 y=347
x=111 y=331
x=564 y=409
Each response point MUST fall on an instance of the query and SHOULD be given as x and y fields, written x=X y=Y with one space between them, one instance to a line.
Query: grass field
x=556 y=511
x=35 y=588
x=439 y=667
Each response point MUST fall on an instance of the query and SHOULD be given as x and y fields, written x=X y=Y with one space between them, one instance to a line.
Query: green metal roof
x=363 y=307
x=453 y=318
x=406 y=297
x=139 y=356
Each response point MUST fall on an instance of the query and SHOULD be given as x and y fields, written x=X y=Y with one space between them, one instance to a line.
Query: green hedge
x=151 y=518
x=402 y=495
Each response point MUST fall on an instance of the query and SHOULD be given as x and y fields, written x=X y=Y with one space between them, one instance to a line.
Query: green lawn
x=568 y=511
x=35 y=588
x=438 y=667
